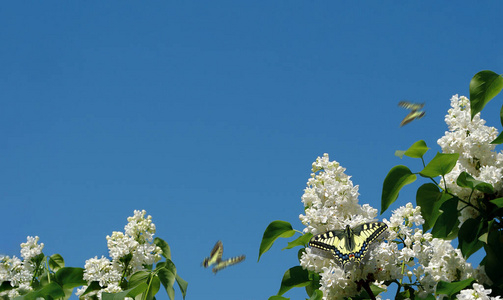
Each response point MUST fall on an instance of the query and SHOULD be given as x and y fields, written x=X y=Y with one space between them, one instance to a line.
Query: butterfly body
x=416 y=112
x=349 y=244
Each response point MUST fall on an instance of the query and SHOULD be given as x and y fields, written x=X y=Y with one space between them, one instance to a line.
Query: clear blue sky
x=208 y=115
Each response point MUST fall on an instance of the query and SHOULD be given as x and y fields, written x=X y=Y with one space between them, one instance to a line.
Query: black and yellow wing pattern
x=416 y=112
x=215 y=258
x=215 y=255
x=410 y=105
x=228 y=262
x=349 y=244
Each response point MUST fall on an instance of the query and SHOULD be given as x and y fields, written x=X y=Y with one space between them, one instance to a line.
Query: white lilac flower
x=331 y=202
x=140 y=228
x=130 y=252
x=30 y=249
x=145 y=254
x=428 y=259
x=102 y=270
x=441 y=262
x=120 y=245
x=478 y=292
x=19 y=273
x=471 y=139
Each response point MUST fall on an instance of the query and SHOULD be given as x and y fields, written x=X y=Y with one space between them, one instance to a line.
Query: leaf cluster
x=295 y=276
x=51 y=279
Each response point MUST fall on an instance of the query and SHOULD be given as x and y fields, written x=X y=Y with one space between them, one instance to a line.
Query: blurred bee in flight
x=416 y=112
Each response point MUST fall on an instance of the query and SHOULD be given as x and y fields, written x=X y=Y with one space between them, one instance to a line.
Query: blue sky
x=208 y=115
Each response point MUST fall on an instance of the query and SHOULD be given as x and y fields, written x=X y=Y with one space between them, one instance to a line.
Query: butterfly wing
x=228 y=262
x=415 y=114
x=334 y=241
x=350 y=244
x=367 y=233
x=215 y=255
x=411 y=105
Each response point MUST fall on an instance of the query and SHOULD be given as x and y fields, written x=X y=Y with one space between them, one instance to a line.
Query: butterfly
x=416 y=112
x=349 y=244
x=216 y=258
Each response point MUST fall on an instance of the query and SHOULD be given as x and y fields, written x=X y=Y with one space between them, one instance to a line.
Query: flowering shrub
x=16 y=275
x=129 y=273
x=463 y=204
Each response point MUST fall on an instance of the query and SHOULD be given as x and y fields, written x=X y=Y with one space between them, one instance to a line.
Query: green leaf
x=276 y=297
x=467 y=181
x=429 y=297
x=56 y=262
x=447 y=220
x=498 y=202
x=429 y=198
x=275 y=230
x=483 y=238
x=483 y=87
x=317 y=295
x=452 y=288
x=37 y=260
x=494 y=260
x=314 y=285
x=398 y=177
x=167 y=275
x=69 y=277
x=302 y=240
x=469 y=234
x=364 y=295
x=50 y=291
x=182 y=284
x=93 y=286
x=5 y=286
x=294 y=277
x=166 y=251
x=404 y=295
x=499 y=139
x=132 y=292
x=441 y=164
x=153 y=287
x=139 y=278
x=376 y=290
x=417 y=150
x=399 y=153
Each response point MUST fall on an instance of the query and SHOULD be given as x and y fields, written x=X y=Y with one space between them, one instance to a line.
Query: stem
x=48 y=274
x=469 y=204
x=37 y=271
x=445 y=184
x=403 y=269
x=433 y=181
x=145 y=294
x=366 y=286
x=398 y=289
